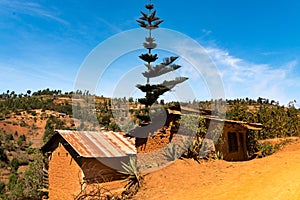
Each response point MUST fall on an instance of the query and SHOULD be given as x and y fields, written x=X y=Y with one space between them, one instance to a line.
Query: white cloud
x=245 y=79
x=29 y=8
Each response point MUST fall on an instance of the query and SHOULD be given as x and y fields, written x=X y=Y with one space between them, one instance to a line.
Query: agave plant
x=218 y=155
x=134 y=178
x=171 y=153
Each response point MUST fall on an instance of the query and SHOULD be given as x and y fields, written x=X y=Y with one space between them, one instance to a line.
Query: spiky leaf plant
x=134 y=178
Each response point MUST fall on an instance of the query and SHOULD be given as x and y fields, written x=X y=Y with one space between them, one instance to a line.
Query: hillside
x=28 y=120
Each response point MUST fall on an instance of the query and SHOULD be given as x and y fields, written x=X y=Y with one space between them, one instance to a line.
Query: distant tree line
x=11 y=102
x=277 y=120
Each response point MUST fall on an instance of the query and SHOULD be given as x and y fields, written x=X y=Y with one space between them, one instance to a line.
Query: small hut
x=77 y=158
x=235 y=139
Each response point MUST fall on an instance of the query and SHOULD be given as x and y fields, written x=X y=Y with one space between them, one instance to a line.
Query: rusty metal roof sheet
x=99 y=144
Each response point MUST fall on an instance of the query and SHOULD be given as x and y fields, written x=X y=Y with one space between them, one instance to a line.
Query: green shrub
x=21 y=140
x=14 y=164
x=3 y=156
x=23 y=123
x=2 y=188
x=15 y=186
x=12 y=181
x=33 y=178
x=266 y=149
x=9 y=137
x=30 y=150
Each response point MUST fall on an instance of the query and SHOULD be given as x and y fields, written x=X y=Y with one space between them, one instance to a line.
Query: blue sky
x=254 y=44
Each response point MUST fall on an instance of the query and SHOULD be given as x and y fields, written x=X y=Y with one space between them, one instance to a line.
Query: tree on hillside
x=49 y=130
x=28 y=92
x=154 y=91
x=33 y=178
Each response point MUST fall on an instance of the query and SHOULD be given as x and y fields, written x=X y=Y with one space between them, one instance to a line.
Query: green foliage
x=21 y=140
x=114 y=127
x=30 y=151
x=14 y=164
x=52 y=124
x=2 y=188
x=252 y=142
x=12 y=181
x=14 y=103
x=9 y=137
x=240 y=112
x=3 y=156
x=278 y=121
x=195 y=126
x=130 y=100
x=26 y=185
x=266 y=149
x=16 y=187
x=23 y=123
x=33 y=178
x=16 y=134
x=49 y=130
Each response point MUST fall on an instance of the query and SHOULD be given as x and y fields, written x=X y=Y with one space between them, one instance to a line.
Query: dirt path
x=273 y=177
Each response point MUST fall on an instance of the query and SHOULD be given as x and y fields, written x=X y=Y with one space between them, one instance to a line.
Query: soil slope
x=273 y=177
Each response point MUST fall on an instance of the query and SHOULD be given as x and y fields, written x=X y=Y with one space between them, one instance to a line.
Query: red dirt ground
x=273 y=177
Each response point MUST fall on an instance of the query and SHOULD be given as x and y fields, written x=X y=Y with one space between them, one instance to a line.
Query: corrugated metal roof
x=99 y=144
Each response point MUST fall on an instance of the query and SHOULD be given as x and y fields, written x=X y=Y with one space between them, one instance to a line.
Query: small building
x=233 y=138
x=234 y=141
x=77 y=158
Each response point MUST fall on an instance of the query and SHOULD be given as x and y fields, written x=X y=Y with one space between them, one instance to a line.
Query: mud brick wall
x=159 y=139
x=65 y=175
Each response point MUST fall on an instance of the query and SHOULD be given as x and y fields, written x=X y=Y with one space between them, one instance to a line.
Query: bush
x=266 y=149
x=30 y=150
x=21 y=139
x=14 y=164
x=13 y=178
x=15 y=186
x=114 y=127
x=9 y=137
x=33 y=178
x=23 y=123
x=3 y=156
x=2 y=188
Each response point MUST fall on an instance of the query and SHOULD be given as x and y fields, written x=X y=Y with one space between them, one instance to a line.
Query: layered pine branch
x=154 y=91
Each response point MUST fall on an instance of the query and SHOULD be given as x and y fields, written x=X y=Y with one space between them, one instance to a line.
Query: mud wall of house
x=102 y=169
x=159 y=139
x=65 y=175
x=153 y=143
x=223 y=146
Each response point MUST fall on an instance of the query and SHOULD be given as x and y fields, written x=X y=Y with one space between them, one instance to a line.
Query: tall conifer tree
x=151 y=22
